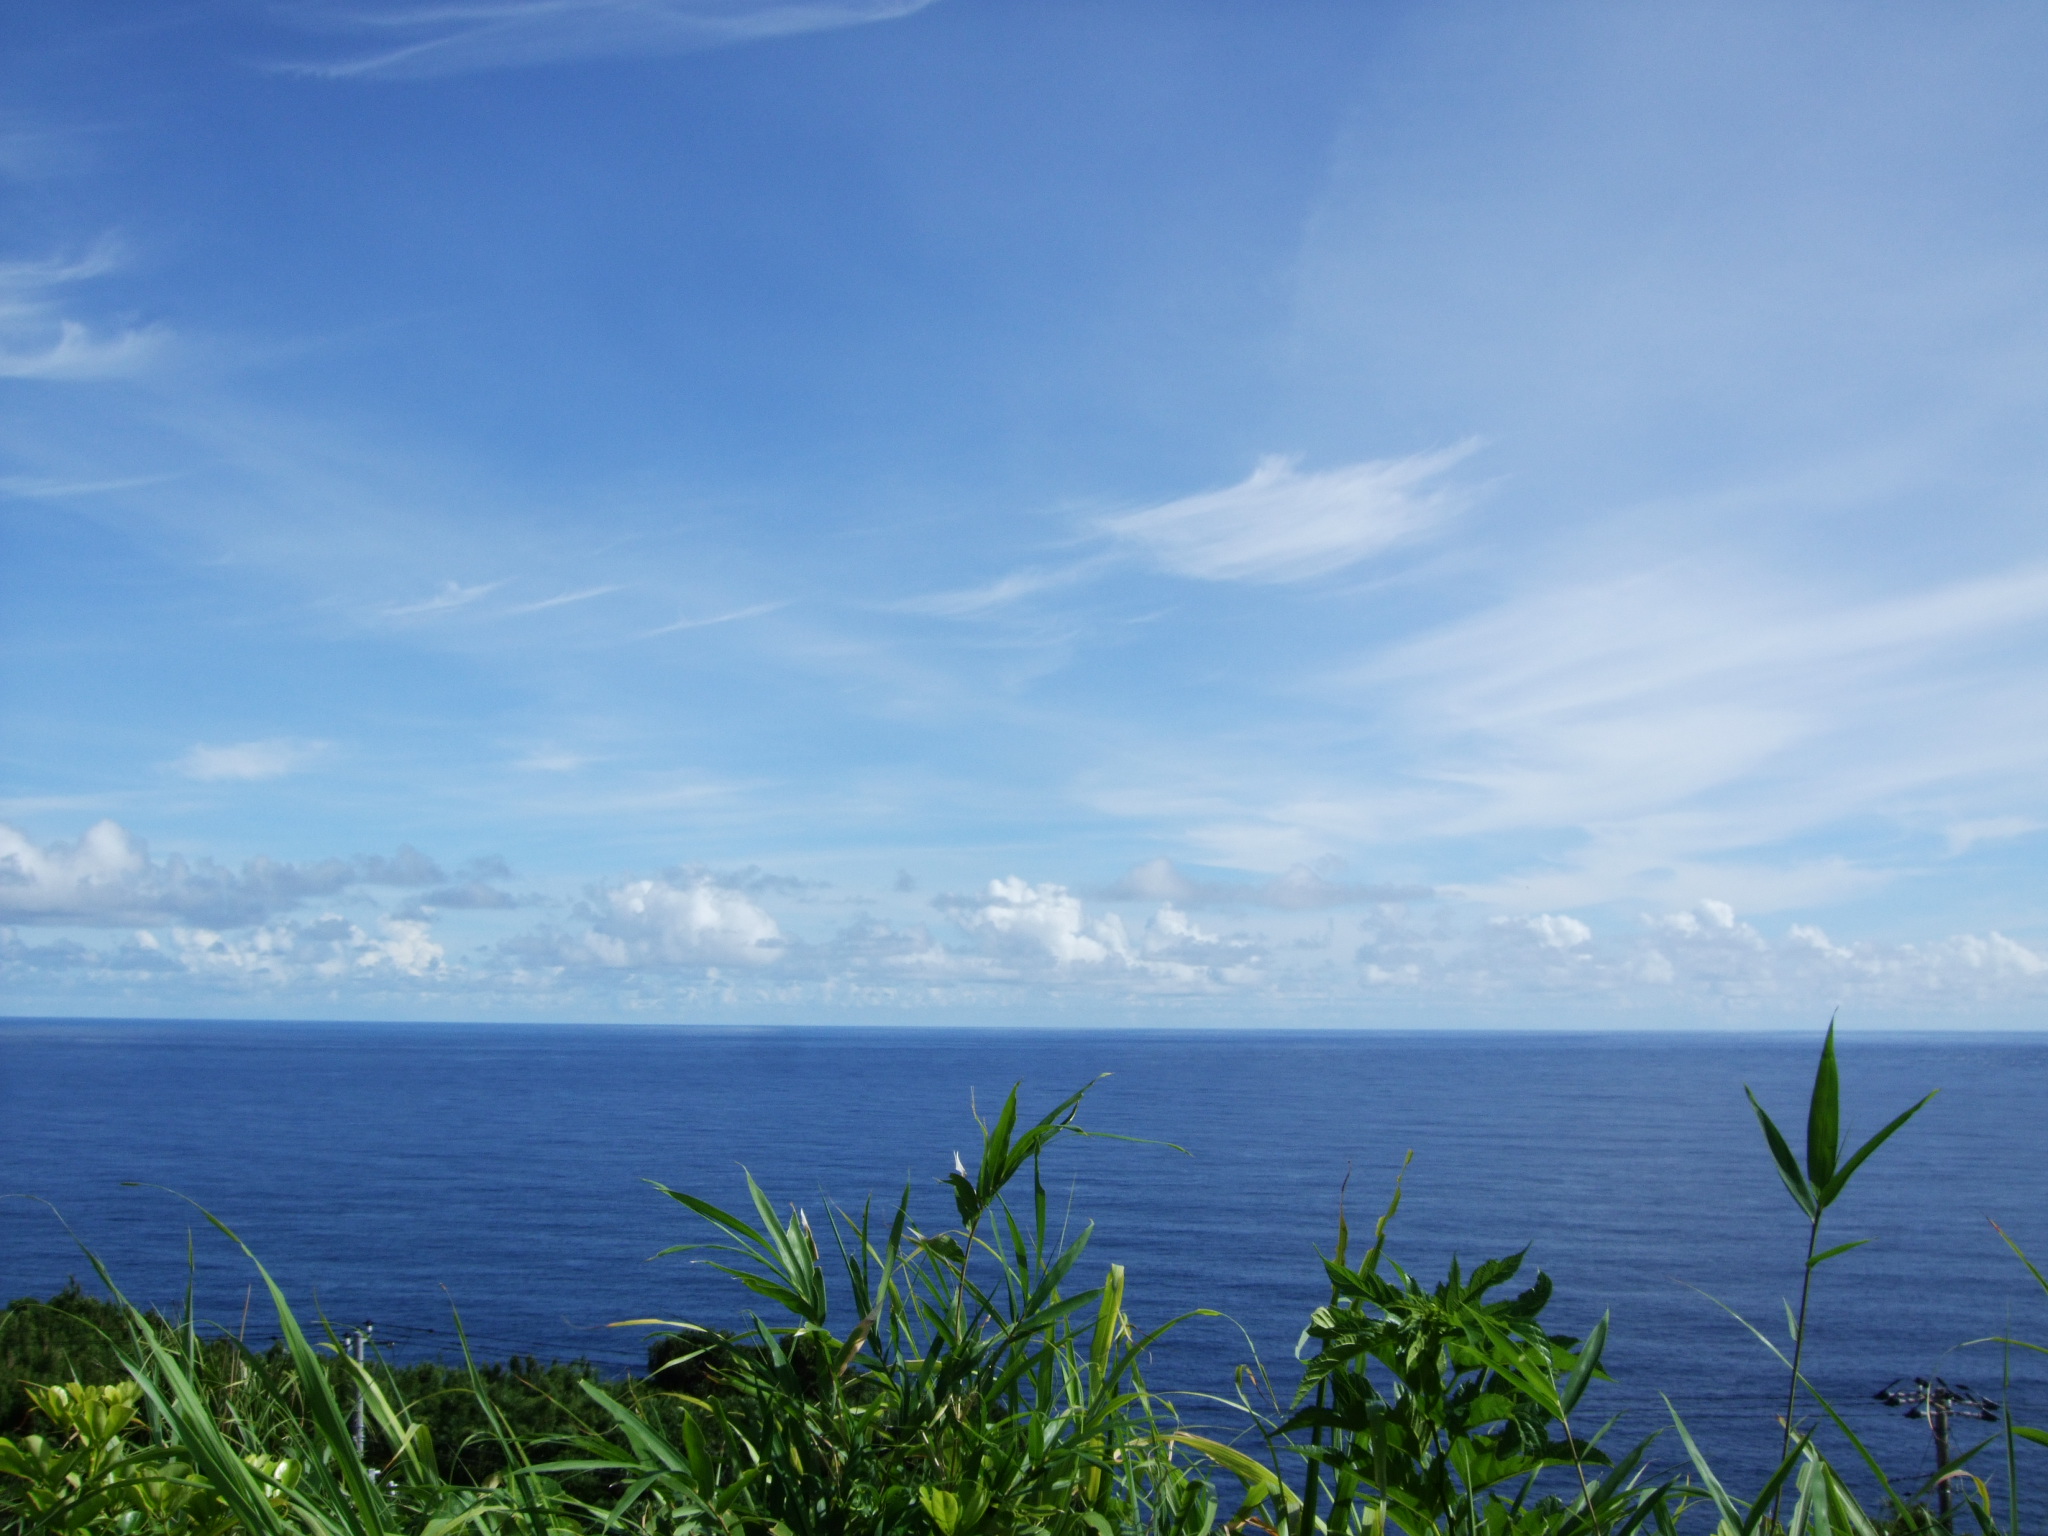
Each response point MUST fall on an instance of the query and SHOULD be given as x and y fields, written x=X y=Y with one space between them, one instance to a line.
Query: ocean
x=403 y=1174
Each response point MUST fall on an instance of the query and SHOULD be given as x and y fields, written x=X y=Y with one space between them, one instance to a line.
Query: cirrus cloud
x=249 y=761
x=1280 y=525
x=38 y=340
x=426 y=41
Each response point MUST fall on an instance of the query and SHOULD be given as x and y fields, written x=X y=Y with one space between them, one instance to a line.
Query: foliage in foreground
x=988 y=1382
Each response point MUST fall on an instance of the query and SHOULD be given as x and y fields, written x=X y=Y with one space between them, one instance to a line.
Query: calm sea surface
x=393 y=1173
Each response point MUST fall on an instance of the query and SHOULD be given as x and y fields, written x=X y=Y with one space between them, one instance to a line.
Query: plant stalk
x=1798 y=1350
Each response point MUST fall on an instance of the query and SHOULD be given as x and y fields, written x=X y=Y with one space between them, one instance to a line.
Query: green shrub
x=70 y=1337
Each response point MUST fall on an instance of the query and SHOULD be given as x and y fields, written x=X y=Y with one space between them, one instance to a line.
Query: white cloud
x=327 y=950
x=1553 y=931
x=696 y=922
x=1044 y=918
x=435 y=39
x=754 y=612
x=563 y=600
x=100 y=870
x=1681 y=719
x=707 y=938
x=322 y=953
x=1584 y=702
x=972 y=602
x=39 y=341
x=107 y=878
x=1706 y=961
x=1651 y=735
x=453 y=595
x=1279 y=525
x=552 y=761
x=249 y=760
x=1965 y=835
x=33 y=488
x=1045 y=928
x=1298 y=889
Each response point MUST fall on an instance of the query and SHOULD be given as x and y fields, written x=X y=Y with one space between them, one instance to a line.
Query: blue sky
x=729 y=510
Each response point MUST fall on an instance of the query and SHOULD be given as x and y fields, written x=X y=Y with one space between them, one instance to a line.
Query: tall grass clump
x=978 y=1385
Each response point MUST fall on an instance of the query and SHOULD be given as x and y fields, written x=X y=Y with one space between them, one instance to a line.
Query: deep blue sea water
x=391 y=1172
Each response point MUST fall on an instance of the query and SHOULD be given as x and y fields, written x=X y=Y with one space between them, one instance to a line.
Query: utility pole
x=358 y=1342
x=1937 y=1402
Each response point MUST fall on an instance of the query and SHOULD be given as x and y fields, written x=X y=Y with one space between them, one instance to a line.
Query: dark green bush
x=70 y=1337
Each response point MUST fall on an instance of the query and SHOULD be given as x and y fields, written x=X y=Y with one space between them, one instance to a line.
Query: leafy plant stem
x=1798 y=1349
x=2012 y=1466
x=1579 y=1466
x=1312 y=1475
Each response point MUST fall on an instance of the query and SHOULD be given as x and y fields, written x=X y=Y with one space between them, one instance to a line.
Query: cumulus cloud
x=473 y=897
x=39 y=340
x=663 y=922
x=1705 y=956
x=1550 y=930
x=1299 y=889
x=330 y=949
x=326 y=951
x=1280 y=525
x=249 y=760
x=710 y=936
x=1045 y=929
x=108 y=878
x=1041 y=920
x=422 y=41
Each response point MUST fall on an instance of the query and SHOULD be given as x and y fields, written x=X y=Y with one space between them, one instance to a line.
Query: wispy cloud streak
x=564 y=600
x=249 y=760
x=452 y=595
x=451 y=39
x=1279 y=525
x=38 y=340
x=734 y=617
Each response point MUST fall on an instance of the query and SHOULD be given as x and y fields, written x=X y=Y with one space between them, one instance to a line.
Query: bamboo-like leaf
x=1834 y=1253
x=1581 y=1377
x=1824 y=1116
x=1781 y=1154
x=1107 y=1316
x=1840 y=1181
x=1260 y=1481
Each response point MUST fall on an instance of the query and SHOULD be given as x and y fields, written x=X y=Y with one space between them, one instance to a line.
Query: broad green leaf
x=1575 y=1384
x=1824 y=1116
x=1107 y=1316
